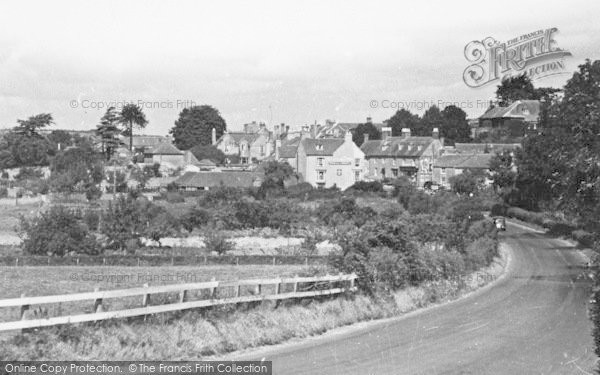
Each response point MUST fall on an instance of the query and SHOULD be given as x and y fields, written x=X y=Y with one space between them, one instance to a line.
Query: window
x=243 y=146
x=383 y=172
x=320 y=175
x=262 y=150
x=339 y=172
x=443 y=171
x=430 y=167
x=319 y=162
x=395 y=172
x=357 y=162
x=356 y=175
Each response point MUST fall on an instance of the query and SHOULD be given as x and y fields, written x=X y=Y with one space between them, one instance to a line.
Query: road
x=533 y=321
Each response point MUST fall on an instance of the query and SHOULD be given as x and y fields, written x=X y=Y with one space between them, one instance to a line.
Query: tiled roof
x=400 y=147
x=206 y=163
x=528 y=110
x=325 y=147
x=146 y=140
x=464 y=161
x=214 y=179
x=189 y=157
x=289 y=148
x=480 y=148
x=164 y=149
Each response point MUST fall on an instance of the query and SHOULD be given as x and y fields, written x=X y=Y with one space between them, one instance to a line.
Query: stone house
x=253 y=144
x=406 y=155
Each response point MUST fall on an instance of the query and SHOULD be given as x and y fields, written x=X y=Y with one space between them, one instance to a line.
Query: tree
x=432 y=118
x=455 y=127
x=520 y=88
x=132 y=115
x=77 y=169
x=209 y=152
x=31 y=126
x=60 y=138
x=57 y=231
x=358 y=135
x=404 y=119
x=108 y=131
x=194 y=126
x=276 y=173
x=465 y=183
x=26 y=150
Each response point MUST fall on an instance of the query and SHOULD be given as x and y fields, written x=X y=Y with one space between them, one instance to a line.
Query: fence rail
x=214 y=293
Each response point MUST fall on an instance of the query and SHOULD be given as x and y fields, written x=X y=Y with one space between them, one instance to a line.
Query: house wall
x=175 y=160
x=227 y=145
x=342 y=169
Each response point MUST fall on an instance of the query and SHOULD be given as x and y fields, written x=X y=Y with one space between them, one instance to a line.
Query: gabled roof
x=399 y=147
x=527 y=110
x=206 y=163
x=189 y=157
x=464 y=161
x=324 y=130
x=214 y=179
x=146 y=140
x=241 y=136
x=321 y=147
x=164 y=149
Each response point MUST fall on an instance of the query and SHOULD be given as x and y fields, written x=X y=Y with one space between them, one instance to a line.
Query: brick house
x=406 y=155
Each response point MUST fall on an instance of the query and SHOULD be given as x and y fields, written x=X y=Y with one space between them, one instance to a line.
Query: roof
x=189 y=157
x=289 y=148
x=146 y=140
x=324 y=147
x=527 y=110
x=400 y=147
x=214 y=179
x=481 y=148
x=328 y=128
x=164 y=149
x=464 y=161
x=206 y=163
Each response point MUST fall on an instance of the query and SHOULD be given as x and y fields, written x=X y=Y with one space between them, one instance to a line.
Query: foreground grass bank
x=198 y=335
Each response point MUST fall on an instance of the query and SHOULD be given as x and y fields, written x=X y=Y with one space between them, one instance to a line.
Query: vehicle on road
x=500 y=223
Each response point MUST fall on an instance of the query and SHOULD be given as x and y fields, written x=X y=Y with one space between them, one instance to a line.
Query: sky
x=273 y=61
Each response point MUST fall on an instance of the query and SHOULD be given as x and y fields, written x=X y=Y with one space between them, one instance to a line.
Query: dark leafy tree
x=404 y=119
x=32 y=126
x=358 y=135
x=132 y=115
x=60 y=138
x=432 y=118
x=455 y=127
x=76 y=169
x=194 y=126
x=520 y=87
x=108 y=132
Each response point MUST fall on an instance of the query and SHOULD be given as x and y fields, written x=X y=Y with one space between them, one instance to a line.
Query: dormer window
x=320 y=147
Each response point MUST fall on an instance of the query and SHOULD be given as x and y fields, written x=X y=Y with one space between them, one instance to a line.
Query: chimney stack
x=386 y=132
x=365 y=137
x=277 y=147
x=405 y=132
x=436 y=133
x=245 y=128
x=214 y=136
x=369 y=120
x=348 y=136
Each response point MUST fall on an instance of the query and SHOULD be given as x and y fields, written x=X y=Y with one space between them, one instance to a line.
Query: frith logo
x=535 y=54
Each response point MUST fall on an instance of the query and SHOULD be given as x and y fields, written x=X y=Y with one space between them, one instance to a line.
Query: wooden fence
x=188 y=296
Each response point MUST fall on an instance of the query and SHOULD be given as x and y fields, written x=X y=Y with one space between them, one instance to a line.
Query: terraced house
x=330 y=162
x=406 y=155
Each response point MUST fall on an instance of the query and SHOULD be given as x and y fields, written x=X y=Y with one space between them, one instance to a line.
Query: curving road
x=533 y=321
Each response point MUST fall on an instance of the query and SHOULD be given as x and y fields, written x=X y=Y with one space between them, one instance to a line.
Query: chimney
x=405 y=132
x=214 y=136
x=436 y=133
x=261 y=125
x=245 y=128
x=287 y=129
x=277 y=147
x=313 y=131
x=348 y=136
x=365 y=137
x=369 y=120
x=276 y=130
x=386 y=132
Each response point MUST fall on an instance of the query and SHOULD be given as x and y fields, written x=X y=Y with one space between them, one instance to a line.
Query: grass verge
x=198 y=335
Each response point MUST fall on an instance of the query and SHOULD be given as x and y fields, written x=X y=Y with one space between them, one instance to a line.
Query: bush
x=3 y=192
x=499 y=209
x=372 y=186
x=214 y=241
x=527 y=216
x=195 y=218
x=57 y=231
x=481 y=252
x=583 y=237
x=174 y=197
x=561 y=229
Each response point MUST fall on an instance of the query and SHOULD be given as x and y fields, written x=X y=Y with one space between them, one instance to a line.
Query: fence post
x=146 y=299
x=295 y=283
x=24 y=309
x=352 y=278
x=98 y=302
x=238 y=290
x=273 y=261
x=213 y=291
x=258 y=289
x=182 y=296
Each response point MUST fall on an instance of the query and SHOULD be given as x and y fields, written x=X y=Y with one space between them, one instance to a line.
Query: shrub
x=583 y=237
x=57 y=231
x=174 y=197
x=372 y=186
x=92 y=219
x=3 y=192
x=481 y=252
x=197 y=217
x=524 y=215
x=214 y=241
x=560 y=229
x=499 y=209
